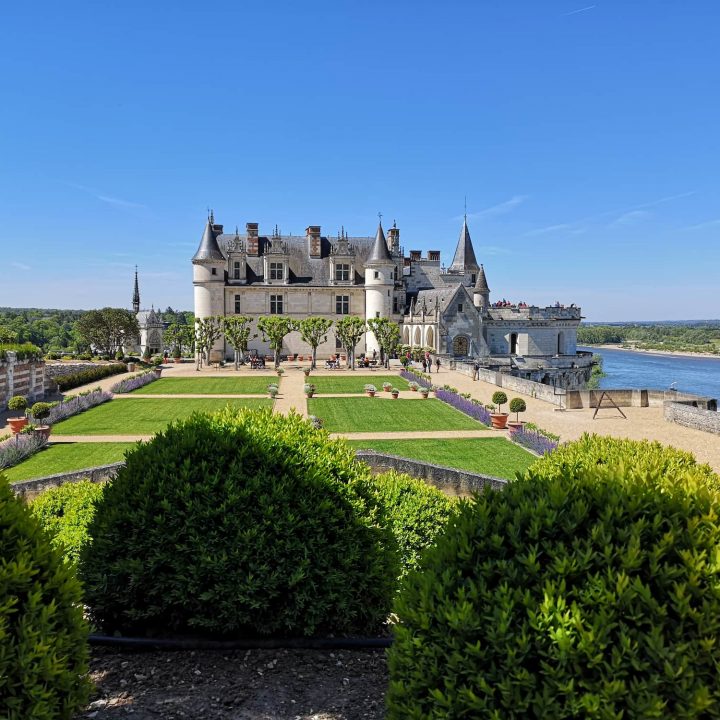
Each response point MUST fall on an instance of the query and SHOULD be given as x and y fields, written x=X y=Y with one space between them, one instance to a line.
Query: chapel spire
x=136 y=295
x=464 y=261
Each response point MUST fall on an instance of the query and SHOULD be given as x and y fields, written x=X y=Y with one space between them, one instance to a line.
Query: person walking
x=437 y=364
x=476 y=370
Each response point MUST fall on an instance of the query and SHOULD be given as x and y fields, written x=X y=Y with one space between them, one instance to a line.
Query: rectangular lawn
x=337 y=384
x=66 y=457
x=364 y=414
x=491 y=456
x=207 y=386
x=144 y=416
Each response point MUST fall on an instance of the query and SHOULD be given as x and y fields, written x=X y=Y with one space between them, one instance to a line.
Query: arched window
x=513 y=344
x=460 y=346
x=430 y=338
x=418 y=337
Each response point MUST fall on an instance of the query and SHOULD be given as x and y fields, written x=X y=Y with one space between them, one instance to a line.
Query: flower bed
x=414 y=377
x=19 y=448
x=77 y=404
x=474 y=410
x=134 y=382
x=532 y=440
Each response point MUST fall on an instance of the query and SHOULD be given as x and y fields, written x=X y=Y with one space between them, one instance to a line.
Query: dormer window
x=276 y=271
x=473 y=277
x=236 y=270
x=342 y=272
x=460 y=307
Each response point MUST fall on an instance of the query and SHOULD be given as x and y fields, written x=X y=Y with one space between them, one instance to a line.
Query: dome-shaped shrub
x=43 y=637
x=589 y=594
x=241 y=523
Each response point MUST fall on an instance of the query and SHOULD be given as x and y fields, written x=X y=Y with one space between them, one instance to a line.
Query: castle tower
x=464 y=261
x=481 y=291
x=209 y=277
x=379 y=285
x=136 y=295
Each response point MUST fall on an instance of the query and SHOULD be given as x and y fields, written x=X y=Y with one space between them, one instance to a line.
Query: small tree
x=274 y=328
x=40 y=410
x=313 y=331
x=236 y=329
x=499 y=398
x=517 y=405
x=350 y=330
x=18 y=403
x=207 y=331
x=387 y=334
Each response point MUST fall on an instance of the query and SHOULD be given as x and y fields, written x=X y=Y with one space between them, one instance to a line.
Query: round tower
x=379 y=285
x=481 y=291
x=209 y=278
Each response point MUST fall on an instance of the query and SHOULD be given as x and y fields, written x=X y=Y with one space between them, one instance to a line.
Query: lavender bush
x=18 y=448
x=77 y=404
x=533 y=441
x=477 y=412
x=134 y=382
x=412 y=377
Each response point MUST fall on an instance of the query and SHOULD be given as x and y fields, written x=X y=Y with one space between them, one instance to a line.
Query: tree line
x=700 y=337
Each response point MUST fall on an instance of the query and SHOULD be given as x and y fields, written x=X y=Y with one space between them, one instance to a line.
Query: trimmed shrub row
x=532 y=440
x=20 y=447
x=134 y=382
x=77 y=404
x=68 y=382
x=474 y=409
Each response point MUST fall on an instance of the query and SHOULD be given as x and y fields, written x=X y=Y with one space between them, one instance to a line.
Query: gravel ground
x=239 y=685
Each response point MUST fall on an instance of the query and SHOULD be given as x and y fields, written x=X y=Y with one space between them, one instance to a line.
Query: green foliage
x=313 y=331
x=588 y=593
x=40 y=410
x=18 y=403
x=43 y=637
x=274 y=328
x=23 y=351
x=65 y=512
x=499 y=398
x=692 y=337
x=545 y=433
x=237 y=329
x=415 y=511
x=350 y=329
x=108 y=329
x=83 y=377
x=240 y=523
x=632 y=456
x=387 y=333
x=596 y=374
x=517 y=405
x=180 y=337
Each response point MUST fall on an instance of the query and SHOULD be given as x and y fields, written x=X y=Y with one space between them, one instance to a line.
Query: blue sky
x=584 y=135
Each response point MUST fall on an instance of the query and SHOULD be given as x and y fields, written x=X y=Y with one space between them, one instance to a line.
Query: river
x=628 y=369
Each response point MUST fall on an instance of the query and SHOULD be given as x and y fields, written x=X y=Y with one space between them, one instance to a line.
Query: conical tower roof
x=136 y=294
x=464 y=258
x=379 y=252
x=208 y=248
x=481 y=282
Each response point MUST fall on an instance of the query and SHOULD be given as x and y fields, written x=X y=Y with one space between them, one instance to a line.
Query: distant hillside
x=687 y=336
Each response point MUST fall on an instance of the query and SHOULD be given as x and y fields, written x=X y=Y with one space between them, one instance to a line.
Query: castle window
x=395 y=274
x=236 y=270
x=237 y=304
x=460 y=307
x=377 y=274
x=473 y=277
x=276 y=304
x=395 y=305
x=342 y=304
x=276 y=271
x=213 y=271
x=342 y=272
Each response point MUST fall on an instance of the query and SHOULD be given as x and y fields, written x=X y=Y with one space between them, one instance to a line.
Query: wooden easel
x=604 y=395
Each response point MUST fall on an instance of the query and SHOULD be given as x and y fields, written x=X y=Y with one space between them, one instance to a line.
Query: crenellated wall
x=21 y=377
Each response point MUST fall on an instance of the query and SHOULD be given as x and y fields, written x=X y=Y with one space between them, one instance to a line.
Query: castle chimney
x=312 y=233
x=434 y=255
x=394 y=239
x=253 y=242
x=415 y=255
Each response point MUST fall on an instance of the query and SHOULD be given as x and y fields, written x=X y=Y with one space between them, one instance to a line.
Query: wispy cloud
x=500 y=209
x=494 y=250
x=630 y=218
x=20 y=266
x=559 y=227
x=104 y=197
x=704 y=225
x=579 y=10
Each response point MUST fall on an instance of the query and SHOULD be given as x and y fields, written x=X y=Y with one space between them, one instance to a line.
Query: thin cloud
x=500 y=209
x=560 y=227
x=704 y=225
x=494 y=250
x=104 y=197
x=630 y=218
x=20 y=266
x=579 y=10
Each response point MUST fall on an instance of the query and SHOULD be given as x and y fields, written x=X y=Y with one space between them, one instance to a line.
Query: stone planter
x=395 y=396
x=158 y=372
x=131 y=367
x=499 y=420
x=424 y=393
x=42 y=431
x=309 y=394
x=371 y=393
x=17 y=424
x=515 y=424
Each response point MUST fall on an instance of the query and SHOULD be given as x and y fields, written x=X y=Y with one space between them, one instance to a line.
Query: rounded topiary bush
x=593 y=593
x=43 y=637
x=240 y=523
x=65 y=512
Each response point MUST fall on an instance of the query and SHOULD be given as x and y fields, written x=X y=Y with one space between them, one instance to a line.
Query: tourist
x=476 y=370
x=437 y=364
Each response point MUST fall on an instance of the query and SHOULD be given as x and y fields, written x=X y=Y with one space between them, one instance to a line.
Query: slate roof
x=379 y=253
x=464 y=258
x=481 y=283
x=208 y=248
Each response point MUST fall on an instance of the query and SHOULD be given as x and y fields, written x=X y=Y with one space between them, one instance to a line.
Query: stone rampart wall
x=633 y=397
x=512 y=383
x=21 y=377
x=60 y=369
x=684 y=413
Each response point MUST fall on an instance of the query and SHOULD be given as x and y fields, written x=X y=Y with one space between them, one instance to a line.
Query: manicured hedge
x=576 y=592
x=240 y=523
x=43 y=636
x=68 y=382
x=24 y=351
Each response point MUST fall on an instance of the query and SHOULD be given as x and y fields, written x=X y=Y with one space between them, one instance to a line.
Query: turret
x=379 y=285
x=481 y=291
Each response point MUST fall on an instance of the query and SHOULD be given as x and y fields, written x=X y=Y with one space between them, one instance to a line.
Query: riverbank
x=676 y=353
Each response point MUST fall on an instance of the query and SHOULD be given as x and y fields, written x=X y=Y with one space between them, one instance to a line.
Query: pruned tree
x=237 y=329
x=350 y=329
x=207 y=331
x=108 y=329
x=274 y=328
x=178 y=337
x=387 y=334
x=313 y=331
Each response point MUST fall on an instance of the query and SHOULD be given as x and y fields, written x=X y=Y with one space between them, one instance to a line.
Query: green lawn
x=208 y=386
x=66 y=457
x=491 y=456
x=356 y=384
x=144 y=416
x=364 y=414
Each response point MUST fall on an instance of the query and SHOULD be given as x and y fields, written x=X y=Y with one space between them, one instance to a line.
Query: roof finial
x=466 y=208
x=237 y=233
x=211 y=216
x=380 y=217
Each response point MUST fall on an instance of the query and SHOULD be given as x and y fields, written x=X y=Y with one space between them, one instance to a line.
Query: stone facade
x=687 y=414
x=445 y=309
x=21 y=377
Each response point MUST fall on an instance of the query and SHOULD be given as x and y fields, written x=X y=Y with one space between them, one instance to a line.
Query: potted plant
x=177 y=355
x=309 y=389
x=316 y=422
x=40 y=411
x=279 y=372
x=424 y=392
x=272 y=390
x=395 y=392
x=306 y=371
x=18 y=403
x=413 y=386
x=499 y=419
x=517 y=405
x=370 y=390
x=387 y=386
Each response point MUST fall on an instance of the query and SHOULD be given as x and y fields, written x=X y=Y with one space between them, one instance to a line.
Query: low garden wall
x=685 y=413
x=629 y=397
x=29 y=489
x=21 y=377
x=59 y=368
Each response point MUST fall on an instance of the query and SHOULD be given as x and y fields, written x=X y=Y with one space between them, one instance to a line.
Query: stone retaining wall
x=21 y=377
x=58 y=368
x=631 y=397
x=30 y=489
x=684 y=413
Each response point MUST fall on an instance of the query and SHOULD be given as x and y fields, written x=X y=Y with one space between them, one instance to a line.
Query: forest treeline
x=696 y=337
x=55 y=330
